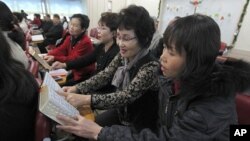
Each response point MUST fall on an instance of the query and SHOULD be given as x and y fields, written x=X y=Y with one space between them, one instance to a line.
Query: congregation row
x=142 y=85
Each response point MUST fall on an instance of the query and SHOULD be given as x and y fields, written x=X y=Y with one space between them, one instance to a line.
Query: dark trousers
x=108 y=118
x=70 y=80
x=42 y=46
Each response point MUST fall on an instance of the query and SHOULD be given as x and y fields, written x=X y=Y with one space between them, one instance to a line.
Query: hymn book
x=39 y=59
x=52 y=104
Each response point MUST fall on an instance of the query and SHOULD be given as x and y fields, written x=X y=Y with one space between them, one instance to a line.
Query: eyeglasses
x=125 y=39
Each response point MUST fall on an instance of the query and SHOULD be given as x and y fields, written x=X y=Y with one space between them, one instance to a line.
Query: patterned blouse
x=144 y=80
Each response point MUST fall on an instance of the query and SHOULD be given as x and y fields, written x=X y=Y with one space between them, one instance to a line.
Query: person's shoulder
x=207 y=106
x=152 y=63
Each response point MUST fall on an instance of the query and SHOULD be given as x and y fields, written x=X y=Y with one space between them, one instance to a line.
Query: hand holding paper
x=52 y=104
x=58 y=65
x=80 y=126
x=49 y=58
x=69 y=89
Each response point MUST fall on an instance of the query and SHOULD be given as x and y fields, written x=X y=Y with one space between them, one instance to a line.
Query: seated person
x=37 y=20
x=103 y=53
x=132 y=72
x=197 y=94
x=21 y=21
x=47 y=24
x=157 y=51
x=18 y=97
x=157 y=41
x=156 y=37
x=75 y=45
x=12 y=34
x=53 y=34
x=24 y=15
x=65 y=23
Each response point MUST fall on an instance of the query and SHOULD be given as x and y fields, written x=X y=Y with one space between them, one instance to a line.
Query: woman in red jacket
x=77 y=44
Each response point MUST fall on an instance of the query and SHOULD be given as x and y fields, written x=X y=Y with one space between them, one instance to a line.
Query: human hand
x=221 y=59
x=79 y=126
x=69 y=89
x=76 y=100
x=58 y=65
x=49 y=58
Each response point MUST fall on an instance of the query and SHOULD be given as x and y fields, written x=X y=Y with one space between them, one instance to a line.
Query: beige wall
x=96 y=7
x=150 y=5
x=243 y=40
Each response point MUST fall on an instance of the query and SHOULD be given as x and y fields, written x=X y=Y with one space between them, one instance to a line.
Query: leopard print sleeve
x=100 y=79
x=145 y=79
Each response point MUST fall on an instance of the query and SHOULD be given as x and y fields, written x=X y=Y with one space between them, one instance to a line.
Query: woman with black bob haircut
x=133 y=18
x=13 y=34
x=18 y=97
x=132 y=72
x=197 y=93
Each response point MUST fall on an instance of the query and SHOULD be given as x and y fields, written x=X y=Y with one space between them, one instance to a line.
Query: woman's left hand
x=79 y=126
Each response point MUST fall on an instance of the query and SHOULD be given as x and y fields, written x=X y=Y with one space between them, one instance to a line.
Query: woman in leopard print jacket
x=132 y=71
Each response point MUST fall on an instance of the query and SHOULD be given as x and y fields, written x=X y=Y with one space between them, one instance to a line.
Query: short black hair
x=84 y=20
x=47 y=15
x=19 y=16
x=37 y=15
x=137 y=18
x=199 y=37
x=56 y=16
x=110 y=20
x=6 y=17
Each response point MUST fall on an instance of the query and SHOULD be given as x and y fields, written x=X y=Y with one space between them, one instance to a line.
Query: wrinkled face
x=128 y=43
x=172 y=63
x=104 y=33
x=75 y=28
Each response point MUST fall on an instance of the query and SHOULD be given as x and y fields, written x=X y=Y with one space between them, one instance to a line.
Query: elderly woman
x=75 y=45
x=132 y=71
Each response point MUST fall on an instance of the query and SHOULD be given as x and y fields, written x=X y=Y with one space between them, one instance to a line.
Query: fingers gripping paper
x=52 y=104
